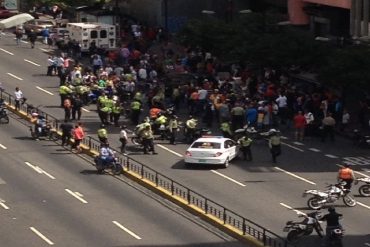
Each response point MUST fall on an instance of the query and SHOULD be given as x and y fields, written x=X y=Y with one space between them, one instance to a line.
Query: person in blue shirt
x=106 y=154
x=251 y=115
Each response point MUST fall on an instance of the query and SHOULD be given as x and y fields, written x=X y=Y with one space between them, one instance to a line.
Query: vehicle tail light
x=188 y=153
x=218 y=154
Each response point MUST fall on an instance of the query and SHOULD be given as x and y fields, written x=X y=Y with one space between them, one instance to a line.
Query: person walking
x=66 y=128
x=274 y=144
x=103 y=134
x=78 y=136
x=18 y=35
x=346 y=175
x=135 y=111
x=299 y=126
x=245 y=142
x=328 y=124
x=18 y=98
x=123 y=138
x=76 y=107
x=116 y=113
x=67 y=104
x=32 y=36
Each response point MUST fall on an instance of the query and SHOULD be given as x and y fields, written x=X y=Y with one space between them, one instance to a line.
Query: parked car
x=38 y=24
x=215 y=150
x=5 y=13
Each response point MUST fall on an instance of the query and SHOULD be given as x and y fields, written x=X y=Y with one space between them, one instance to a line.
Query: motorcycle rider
x=103 y=134
x=172 y=127
x=346 y=175
x=226 y=129
x=160 y=120
x=40 y=125
x=140 y=127
x=332 y=222
x=147 y=135
x=246 y=143
x=106 y=154
x=191 y=125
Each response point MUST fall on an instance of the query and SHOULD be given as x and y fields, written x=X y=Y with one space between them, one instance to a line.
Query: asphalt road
x=267 y=193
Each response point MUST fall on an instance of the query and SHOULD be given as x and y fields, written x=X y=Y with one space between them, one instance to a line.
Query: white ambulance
x=104 y=35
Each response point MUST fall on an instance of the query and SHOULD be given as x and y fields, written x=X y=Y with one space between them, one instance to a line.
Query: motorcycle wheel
x=4 y=120
x=53 y=136
x=313 y=203
x=135 y=141
x=364 y=190
x=118 y=169
x=349 y=201
x=293 y=236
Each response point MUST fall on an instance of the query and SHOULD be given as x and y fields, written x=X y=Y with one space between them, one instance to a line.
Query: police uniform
x=275 y=146
x=245 y=143
x=172 y=126
x=135 y=111
x=103 y=135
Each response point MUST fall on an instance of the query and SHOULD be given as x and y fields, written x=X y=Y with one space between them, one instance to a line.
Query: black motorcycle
x=4 y=118
x=45 y=132
x=102 y=165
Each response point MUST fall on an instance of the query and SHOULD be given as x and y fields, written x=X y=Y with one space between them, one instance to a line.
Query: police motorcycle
x=296 y=230
x=4 y=118
x=333 y=193
x=42 y=129
x=102 y=164
x=364 y=189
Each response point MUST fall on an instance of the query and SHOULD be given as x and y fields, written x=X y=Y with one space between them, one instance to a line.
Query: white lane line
x=298 y=149
x=367 y=244
x=39 y=170
x=45 y=50
x=23 y=41
x=75 y=195
x=8 y=52
x=228 y=178
x=314 y=150
x=3 y=147
x=331 y=156
x=126 y=230
x=14 y=76
x=3 y=204
x=28 y=61
x=291 y=208
x=293 y=175
x=44 y=90
x=298 y=143
x=363 y=205
x=169 y=150
x=85 y=110
x=41 y=235
x=362 y=174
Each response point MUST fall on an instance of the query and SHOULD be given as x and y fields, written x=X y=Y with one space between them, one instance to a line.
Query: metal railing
x=208 y=206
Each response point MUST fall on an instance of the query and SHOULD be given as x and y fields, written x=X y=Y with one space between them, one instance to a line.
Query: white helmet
x=35 y=114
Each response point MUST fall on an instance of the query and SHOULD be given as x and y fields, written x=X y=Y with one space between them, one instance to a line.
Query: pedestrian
x=66 y=128
x=237 y=117
x=309 y=122
x=147 y=135
x=51 y=66
x=328 y=124
x=274 y=144
x=135 y=111
x=76 y=107
x=32 y=36
x=18 y=35
x=332 y=223
x=346 y=175
x=18 y=98
x=116 y=113
x=67 y=104
x=299 y=125
x=103 y=134
x=345 y=120
x=45 y=35
x=123 y=138
x=173 y=127
x=245 y=142
x=78 y=135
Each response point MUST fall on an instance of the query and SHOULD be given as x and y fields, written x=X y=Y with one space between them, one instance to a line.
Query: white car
x=215 y=150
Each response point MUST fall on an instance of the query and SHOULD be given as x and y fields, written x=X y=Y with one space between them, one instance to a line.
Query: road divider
x=3 y=147
x=76 y=195
x=7 y=52
x=126 y=230
x=39 y=170
x=169 y=150
x=228 y=178
x=28 y=61
x=291 y=208
x=14 y=76
x=294 y=175
x=44 y=90
x=42 y=236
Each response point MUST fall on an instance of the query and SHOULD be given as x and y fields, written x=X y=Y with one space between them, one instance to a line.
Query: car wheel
x=227 y=163
x=188 y=165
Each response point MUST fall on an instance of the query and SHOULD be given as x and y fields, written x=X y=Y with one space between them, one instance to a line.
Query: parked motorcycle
x=102 y=165
x=44 y=132
x=4 y=118
x=364 y=189
x=331 y=195
x=297 y=230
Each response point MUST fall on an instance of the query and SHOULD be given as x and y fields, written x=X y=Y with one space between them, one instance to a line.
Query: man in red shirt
x=299 y=125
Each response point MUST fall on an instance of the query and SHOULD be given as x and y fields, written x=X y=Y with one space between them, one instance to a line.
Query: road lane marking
x=3 y=147
x=3 y=204
x=45 y=50
x=228 y=178
x=28 y=61
x=14 y=76
x=314 y=150
x=298 y=149
x=363 y=205
x=39 y=170
x=298 y=143
x=293 y=175
x=75 y=195
x=331 y=156
x=8 y=52
x=85 y=110
x=362 y=174
x=169 y=150
x=23 y=41
x=41 y=235
x=126 y=230
x=367 y=244
x=291 y=208
x=44 y=90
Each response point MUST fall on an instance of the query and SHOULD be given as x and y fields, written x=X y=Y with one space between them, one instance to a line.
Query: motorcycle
x=296 y=230
x=136 y=140
x=46 y=132
x=332 y=194
x=335 y=237
x=4 y=118
x=364 y=189
x=102 y=165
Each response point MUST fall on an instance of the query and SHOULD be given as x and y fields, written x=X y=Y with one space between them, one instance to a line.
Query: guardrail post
x=206 y=206
x=244 y=227
x=142 y=171
x=128 y=163
x=156 y=179
x=172 y=189
x=264 y=237
x=188 y=196
x=224 y=216
x=89 y=142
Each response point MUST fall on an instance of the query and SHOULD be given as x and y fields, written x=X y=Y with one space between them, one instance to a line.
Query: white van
x=104 y=35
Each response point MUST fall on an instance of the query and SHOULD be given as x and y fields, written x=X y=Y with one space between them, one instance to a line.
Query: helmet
x=35 y=114
x=331 y=209
x=102 y=126
x=123 y=127
x=273 y=131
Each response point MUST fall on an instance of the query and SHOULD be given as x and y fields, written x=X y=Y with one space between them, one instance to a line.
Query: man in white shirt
x=123 y=138
x=282 y=102
x=18 y=98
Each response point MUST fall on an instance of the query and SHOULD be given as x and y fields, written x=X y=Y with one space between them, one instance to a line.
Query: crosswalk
x=357 y=161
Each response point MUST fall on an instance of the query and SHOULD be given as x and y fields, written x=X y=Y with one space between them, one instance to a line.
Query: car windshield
x=207 y=145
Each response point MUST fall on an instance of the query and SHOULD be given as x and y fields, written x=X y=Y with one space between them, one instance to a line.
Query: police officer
x=347 y=175
x=172 y=127
x=103 y=134
x=64 y=92
x=191 y=126
x=147 y=135
x=237 y=117
x=116 y=113
x=226 y=129
x=66 y=128
x=332 y=222
x=135 y=111
x=274 y=144
x=245 y=143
